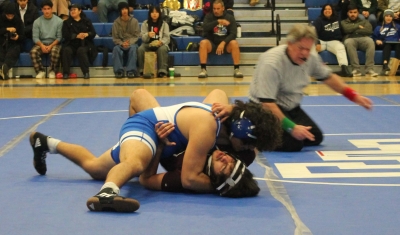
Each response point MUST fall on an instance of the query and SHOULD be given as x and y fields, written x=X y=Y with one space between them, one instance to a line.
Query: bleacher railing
x=278 y=29
x=272 y=6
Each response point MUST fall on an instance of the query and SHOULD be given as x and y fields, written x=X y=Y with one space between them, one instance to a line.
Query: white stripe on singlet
x=138 y=135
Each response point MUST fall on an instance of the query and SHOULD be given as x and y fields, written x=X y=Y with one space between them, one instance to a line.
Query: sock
x=235 y=66
x=112 y=185
x=52 y=144
x=203 y=66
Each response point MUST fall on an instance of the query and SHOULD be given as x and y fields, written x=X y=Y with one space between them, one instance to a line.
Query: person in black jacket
x=11 y=36
x=342 y=6
x=78 y=33
x=327 y=26
x=30 y=14
x=220 y=37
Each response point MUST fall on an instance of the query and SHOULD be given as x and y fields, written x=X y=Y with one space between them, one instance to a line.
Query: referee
x=281 y=75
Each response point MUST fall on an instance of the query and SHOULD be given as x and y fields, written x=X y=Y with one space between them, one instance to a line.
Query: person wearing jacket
x=78 y=33
x=341 y=8
x=219 y=37
x=388 y=4
x=329 y=34
x=155 y=37
x=11 y=37
x=125 y=33
x=28 y=14
x=102 y=7
x=357 y=36
x=367 y=10
x=388 y=32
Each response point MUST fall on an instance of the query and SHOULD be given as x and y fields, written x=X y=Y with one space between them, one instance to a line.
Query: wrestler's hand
x=363 y=102
x=163 y=130
x=302 y=132
x=222 y=111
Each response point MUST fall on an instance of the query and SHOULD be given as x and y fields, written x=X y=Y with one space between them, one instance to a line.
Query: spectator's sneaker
x=65 y=76
x=38 y=142
x=73 y=75
x=59 y=75
x=41 y=74
x=119 y=74
x=86 y=76
x=372 y=73
x=356 y=73
x=130 y=74
x=4 y=72
x=52 y=74
x=108 y=200
x=203 y=74
x=237 y=74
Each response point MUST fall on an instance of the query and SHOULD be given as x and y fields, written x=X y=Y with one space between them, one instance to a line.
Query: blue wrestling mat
x=348 y=185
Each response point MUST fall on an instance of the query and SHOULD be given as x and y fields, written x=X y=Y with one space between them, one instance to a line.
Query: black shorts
x=214 y=47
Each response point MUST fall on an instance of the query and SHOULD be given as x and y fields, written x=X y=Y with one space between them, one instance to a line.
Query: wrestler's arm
x=201 y=139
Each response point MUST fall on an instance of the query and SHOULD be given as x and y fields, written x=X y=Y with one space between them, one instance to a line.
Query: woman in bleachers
x=388 y=32
x=155 y=37
x=78 y=33
x=388 y=4
x=367 y=9
x=329 y=34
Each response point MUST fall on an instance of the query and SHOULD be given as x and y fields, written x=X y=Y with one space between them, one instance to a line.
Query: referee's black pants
x=298 y=116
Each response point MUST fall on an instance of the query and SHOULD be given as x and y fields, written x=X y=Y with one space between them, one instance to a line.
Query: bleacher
x=255 y=39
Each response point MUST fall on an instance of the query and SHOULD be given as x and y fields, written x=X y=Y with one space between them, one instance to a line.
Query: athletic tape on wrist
x=287 y=124
x=349 y=93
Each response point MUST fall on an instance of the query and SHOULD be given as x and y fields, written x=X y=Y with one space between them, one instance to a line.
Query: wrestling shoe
x=39 y=145
x=108 y=200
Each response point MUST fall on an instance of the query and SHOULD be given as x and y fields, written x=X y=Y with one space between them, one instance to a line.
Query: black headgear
x=232 y=180
x=9 y=8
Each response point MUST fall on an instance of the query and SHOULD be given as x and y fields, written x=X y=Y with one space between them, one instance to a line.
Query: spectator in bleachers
x=330 y=36
x=47 y=35
x=228 y=4
x=60 y=8
x=341 y=8
x=102 y=7
x=11 y=37
x=388 y=32
x=155 y=37
x=125 y=33
x=220 y=33
x=28 y=13
x=367 y=10
x=357 y=36
x=78 y=33
x=388 y=4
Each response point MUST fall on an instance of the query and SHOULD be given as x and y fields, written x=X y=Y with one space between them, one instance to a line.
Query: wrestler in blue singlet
x=141 y=127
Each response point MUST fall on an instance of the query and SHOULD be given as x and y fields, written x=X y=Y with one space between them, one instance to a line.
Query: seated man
x=357 y=36
x=11 y=37
x=136 y=149
x=28 y=14
x=47 y=35
x=220 y=33
x=102 y=7
x=125 y=34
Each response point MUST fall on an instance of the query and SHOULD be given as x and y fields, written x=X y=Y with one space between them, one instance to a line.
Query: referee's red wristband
x=349 y=93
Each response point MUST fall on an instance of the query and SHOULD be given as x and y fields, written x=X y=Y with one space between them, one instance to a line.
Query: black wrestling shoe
x=108 y=200
x=39 y=145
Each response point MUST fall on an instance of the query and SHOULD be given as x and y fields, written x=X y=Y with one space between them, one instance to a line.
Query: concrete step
x=265 y=27
x=262 y=2
x=261 y=14
x=259 y=42
x=277 y=6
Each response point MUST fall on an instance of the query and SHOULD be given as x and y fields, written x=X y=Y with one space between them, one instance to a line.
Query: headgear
x=388 y=12
x=232 y=180
x=242 y=128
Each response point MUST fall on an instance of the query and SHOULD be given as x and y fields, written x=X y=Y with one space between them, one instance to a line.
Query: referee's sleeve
x=319 y=70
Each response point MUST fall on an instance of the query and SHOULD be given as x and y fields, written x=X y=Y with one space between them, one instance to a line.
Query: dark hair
x=245 y=187
x=333 y=16
x=46 y=3
x=267 y=126
x=149 y=19
x=352 y=7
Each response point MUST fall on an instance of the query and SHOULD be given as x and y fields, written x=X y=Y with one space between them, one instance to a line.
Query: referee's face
x=300 y=51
